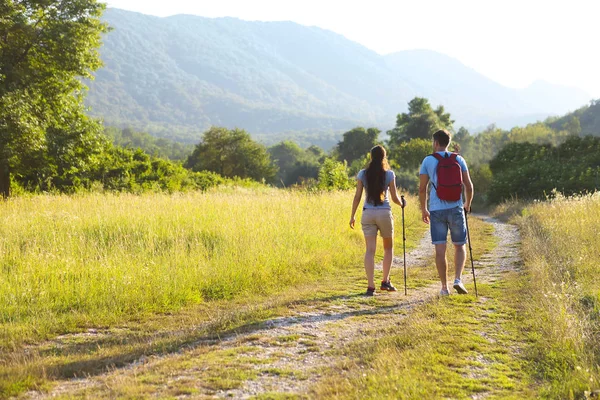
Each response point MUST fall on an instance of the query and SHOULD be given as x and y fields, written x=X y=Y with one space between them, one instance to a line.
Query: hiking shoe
x=387 y=286
x=370 y=292
x=459 y=287
x=444 y=292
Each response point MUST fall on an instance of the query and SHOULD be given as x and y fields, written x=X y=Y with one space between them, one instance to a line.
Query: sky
x=513 y=42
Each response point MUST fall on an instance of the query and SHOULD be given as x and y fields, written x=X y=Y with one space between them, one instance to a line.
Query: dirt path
x=288 y=354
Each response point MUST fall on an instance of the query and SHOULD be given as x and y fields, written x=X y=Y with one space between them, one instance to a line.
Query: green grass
x=455 y=347
x=155 y=272
x=97 y=260
x=561 y=249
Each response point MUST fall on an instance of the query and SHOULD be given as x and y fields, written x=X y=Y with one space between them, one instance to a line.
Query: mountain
x=586 y=117
x=176 y=76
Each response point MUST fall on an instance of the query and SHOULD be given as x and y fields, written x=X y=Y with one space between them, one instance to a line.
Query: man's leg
x=458 y=232
x=460 y=257
x=441 y=264
x=439 y=234
x=388 y=254
x=371 y=243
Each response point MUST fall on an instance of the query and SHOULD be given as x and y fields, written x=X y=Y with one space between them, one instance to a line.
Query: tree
x=68 y=157
x=333 y=175
x=420 y=122
x=294 y=163
x=573 y=126
x=409 y=155
x=286 y=155
x=316 y=153
x=46 y=47
x=462 y=135
x=231 y=153
x=356 y=143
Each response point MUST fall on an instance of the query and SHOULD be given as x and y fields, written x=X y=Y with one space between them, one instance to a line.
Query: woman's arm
x=356 y=201
x=394 y=194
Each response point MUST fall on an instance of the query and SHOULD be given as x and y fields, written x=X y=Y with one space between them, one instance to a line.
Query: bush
x=531 y=171
x=333 y=175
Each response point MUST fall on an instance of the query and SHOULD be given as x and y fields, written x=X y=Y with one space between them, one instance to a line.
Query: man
x=446 y=214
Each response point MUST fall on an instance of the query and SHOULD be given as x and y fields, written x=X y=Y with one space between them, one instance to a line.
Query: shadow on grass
x=169 y=342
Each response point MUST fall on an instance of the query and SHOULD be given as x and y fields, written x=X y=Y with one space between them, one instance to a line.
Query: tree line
x=48 y=143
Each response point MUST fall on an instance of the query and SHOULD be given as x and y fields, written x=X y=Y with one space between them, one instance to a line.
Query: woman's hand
x=352 y=221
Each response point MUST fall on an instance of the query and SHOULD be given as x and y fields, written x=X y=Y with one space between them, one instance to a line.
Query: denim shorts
x=442 y=220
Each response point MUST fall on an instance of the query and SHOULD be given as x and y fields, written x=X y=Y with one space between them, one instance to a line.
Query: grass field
x=562 y=255
x=156 y=272
x=69 y=263
x=536 y=333
x=439 y=349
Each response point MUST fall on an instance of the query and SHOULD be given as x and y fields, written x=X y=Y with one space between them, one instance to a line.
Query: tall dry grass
x=68 y=262
x=561 y=248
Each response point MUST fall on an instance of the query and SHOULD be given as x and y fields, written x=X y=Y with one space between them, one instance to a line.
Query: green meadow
x=72 y=262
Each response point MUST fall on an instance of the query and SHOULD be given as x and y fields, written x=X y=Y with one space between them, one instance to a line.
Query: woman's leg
x=371 y=243
x=388 y=254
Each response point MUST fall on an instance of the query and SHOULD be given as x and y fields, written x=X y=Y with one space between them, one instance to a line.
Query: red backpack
x=449 y=177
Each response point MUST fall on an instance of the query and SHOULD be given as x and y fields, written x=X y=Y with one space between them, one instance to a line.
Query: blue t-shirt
x=429 y=167
x=389 y=177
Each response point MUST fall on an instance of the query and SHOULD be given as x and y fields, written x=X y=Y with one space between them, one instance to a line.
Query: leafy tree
x=572 y=125
x=409 y=155
x=356 y=143
x=584 y=121
x=462 y=135
x=420 y=122
x=286 y=155
x=159 y=147
x=46 y=47
x=294 y=163
x=316 y=153
x=406 y=159
x=481 y=175
x=528 y=170
x=333 y=175
x=231 y=153
x=67 y=159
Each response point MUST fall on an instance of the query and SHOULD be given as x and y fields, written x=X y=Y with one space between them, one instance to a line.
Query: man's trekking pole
x=470 y=251
x=404 y=243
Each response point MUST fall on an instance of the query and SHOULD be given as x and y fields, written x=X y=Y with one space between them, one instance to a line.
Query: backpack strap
x=440 y=157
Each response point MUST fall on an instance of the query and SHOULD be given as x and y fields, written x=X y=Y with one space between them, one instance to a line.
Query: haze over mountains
x=177 y=76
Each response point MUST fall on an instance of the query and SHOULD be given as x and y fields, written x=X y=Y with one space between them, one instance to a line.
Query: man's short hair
x=442 y=137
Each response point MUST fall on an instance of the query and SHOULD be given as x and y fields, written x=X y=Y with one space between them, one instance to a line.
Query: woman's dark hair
x=376 y=175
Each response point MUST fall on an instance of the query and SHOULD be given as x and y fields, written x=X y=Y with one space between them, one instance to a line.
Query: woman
x=378 y=180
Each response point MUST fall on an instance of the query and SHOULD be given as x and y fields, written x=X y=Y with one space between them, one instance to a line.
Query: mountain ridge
x=176 y=76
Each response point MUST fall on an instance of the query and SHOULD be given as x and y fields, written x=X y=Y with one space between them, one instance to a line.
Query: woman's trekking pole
x=471 y=251
x=404 y=243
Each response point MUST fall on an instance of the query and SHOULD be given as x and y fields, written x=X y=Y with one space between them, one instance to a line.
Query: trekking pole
x=404 y=244
x=470 y=251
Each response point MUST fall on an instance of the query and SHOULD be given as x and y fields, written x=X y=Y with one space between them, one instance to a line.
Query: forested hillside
x=177 y=76
x=585 y=119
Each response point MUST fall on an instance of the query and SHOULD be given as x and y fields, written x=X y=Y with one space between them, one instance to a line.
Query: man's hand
x=425 y=215
x=352 y=221
x=403 y=201
x=468 y=208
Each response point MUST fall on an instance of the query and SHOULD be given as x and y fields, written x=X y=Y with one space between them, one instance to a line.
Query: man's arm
x=468 y=189
x=423 y=181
